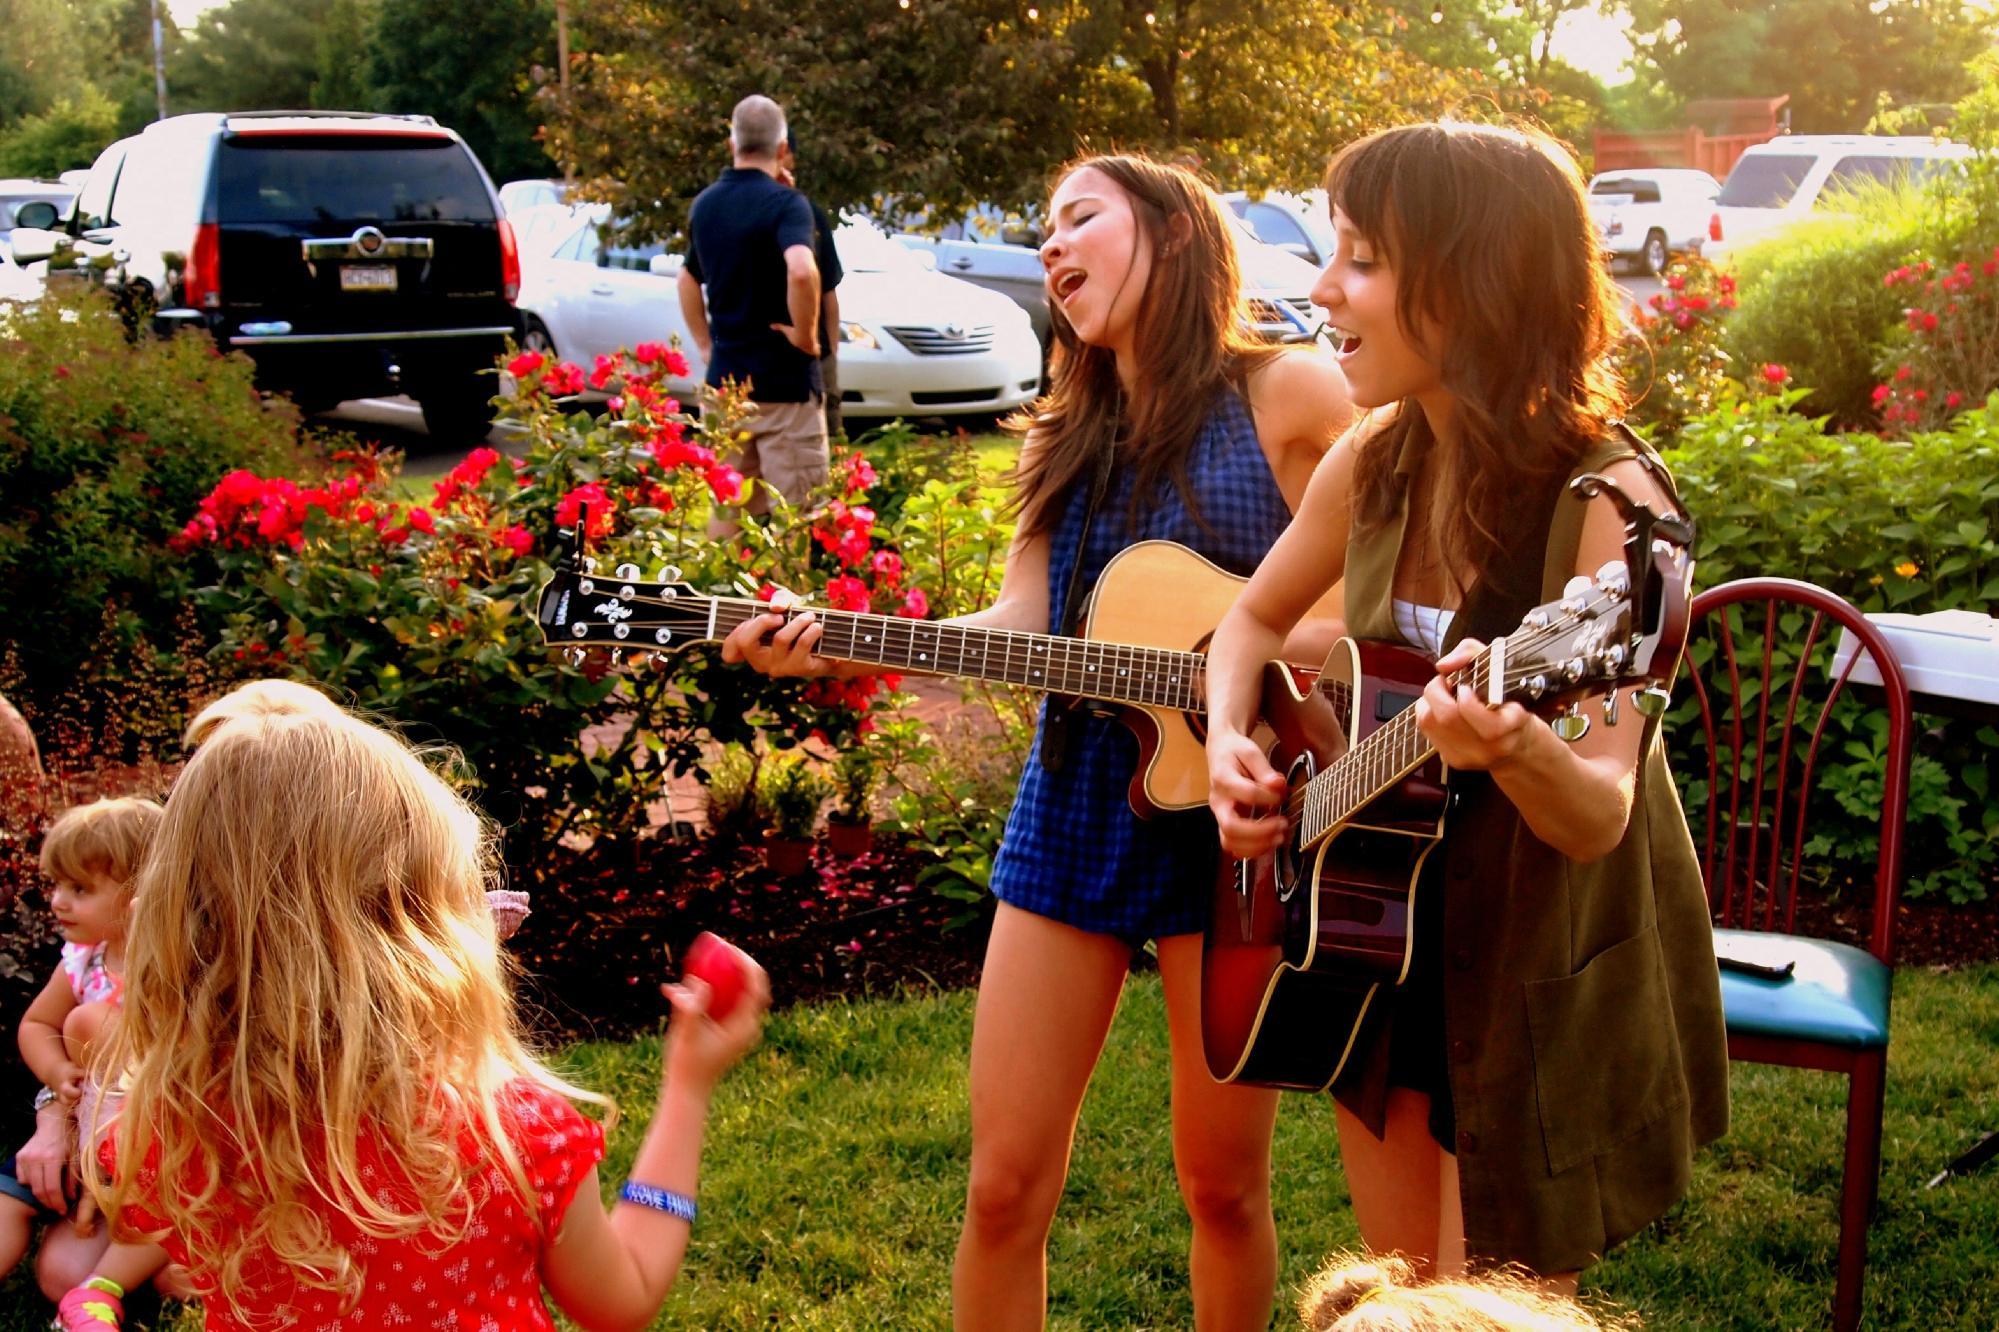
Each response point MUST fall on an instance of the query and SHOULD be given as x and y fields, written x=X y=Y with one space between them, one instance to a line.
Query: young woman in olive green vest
x=1541 y=1080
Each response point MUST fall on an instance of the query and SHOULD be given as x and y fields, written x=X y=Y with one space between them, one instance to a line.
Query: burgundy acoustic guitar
x=1301 y=943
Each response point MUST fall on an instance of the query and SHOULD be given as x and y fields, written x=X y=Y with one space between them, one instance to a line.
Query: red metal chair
x=1761 y=658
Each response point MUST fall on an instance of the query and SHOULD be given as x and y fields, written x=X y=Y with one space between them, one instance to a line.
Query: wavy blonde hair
x=106 y=837
x=312 y=962
x=1385 y=1294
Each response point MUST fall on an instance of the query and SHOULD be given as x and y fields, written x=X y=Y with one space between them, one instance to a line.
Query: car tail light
x=1714 y=226
x=510 y=263
x=202 y=278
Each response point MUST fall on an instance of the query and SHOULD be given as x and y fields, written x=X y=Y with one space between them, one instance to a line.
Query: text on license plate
x=367 y=277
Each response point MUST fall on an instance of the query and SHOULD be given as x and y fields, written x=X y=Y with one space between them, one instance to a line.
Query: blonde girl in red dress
x=331 y=1116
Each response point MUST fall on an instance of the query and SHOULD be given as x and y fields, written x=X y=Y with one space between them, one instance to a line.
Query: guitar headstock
x=1625 y=625
x=581 y=608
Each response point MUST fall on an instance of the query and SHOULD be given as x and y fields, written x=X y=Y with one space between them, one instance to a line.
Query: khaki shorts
x=786 y=447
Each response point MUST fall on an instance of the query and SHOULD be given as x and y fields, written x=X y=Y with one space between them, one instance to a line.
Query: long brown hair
x=1489 y=234
x=1191 y=341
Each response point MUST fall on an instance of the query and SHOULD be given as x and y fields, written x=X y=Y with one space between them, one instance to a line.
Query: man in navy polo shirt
x=750 y=244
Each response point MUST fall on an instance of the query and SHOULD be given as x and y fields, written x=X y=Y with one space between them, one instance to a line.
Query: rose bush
x=1673 y=362
x=1944 y=356
x=419 y=603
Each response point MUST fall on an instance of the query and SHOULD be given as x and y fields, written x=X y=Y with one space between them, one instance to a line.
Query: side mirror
x=665 y=265
x=33 y=244
x=36 y=214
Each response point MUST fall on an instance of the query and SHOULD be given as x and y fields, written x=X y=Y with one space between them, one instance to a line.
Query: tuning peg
x=621 y=631
x=618 y=654
x=580 y=629
x=1578 y=586
x=586 y=586
x=1651 y=701
x=590 y=563
x=668 y=573
x=662 y=636
x=627 y=573
x=1570 y=724
x=574 y=656
x=1610 y=708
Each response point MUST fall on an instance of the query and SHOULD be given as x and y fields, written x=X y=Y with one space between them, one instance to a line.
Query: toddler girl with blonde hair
x=331 y=1115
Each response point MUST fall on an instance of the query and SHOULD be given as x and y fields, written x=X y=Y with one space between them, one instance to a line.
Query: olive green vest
x=1582 y=1008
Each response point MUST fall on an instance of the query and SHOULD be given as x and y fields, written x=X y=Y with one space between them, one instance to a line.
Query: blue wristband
x=660 y=1200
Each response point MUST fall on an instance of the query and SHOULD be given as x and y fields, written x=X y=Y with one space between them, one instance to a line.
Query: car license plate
x=367 y=277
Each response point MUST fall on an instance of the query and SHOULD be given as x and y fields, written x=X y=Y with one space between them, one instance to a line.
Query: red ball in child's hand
x=721 y=964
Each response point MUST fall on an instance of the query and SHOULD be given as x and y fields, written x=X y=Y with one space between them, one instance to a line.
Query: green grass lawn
x=837 y=1162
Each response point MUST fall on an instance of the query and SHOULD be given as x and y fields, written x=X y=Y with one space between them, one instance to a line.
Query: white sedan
x=913 y=342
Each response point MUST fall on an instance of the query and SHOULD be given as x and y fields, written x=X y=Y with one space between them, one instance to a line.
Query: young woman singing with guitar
x=1167 y=422
x=1535 y=1088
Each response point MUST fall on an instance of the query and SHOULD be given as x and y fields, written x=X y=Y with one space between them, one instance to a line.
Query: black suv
x=348 y=254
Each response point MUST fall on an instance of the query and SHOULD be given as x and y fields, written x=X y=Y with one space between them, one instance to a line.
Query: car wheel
x=1655 y=253
x=535 y=337
x=458 y=411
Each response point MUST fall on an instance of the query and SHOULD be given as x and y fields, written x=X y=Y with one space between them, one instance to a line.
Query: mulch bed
x=612 y=922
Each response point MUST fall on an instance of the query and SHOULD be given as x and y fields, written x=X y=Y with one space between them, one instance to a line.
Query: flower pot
x=786 y=857
x=849 y=839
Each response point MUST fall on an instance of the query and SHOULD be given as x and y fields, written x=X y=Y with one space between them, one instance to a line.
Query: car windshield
x=1640 y=191
x=1764 y=180
x=378 y=178
x=863 y=249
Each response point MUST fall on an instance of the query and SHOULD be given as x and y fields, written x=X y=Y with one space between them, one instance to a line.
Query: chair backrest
x=1774 y=712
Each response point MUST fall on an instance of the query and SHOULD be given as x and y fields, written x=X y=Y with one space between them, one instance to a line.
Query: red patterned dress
x=490 y=1282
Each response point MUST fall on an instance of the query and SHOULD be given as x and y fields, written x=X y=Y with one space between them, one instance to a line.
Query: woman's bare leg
x=1404 y=1185
x=1046 y=999
x=1221 y=1152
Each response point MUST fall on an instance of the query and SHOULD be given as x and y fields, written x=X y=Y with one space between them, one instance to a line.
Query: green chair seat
x=1837 y=994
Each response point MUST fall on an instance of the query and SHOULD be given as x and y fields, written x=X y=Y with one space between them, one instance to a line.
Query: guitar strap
x=1063 y=717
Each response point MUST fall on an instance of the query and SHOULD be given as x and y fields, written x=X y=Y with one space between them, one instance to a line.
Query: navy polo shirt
x=738 y=232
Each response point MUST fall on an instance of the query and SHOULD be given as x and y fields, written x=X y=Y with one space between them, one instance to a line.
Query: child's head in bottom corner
x=1370 y=1293
x=313 y=953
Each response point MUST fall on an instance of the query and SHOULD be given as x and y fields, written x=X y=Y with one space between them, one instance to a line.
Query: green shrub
x=106 y=444
x=790 y=795
x=1812 y=299
x=1903 y=525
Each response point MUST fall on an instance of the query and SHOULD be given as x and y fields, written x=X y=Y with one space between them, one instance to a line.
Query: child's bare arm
x=611 y=1270
x=40 y=1036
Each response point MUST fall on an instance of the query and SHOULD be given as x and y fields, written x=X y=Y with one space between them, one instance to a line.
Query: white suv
x=1778 y=183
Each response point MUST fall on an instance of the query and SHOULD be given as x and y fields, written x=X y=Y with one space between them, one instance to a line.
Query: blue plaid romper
x=1073 y=850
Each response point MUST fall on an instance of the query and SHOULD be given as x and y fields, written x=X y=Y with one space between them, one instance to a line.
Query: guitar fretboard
x=1380 y=760
x=1083 y=667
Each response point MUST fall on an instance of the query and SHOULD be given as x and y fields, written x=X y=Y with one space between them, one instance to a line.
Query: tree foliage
x=948 y=105
x=467 y=63
x=1841 y=62
x=74 y=75
x=251 y=55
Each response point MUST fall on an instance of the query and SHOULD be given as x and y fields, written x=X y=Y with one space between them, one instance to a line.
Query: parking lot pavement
x=398 y=423
x=1641 y=287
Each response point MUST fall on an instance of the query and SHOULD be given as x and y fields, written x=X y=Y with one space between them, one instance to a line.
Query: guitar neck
x=1372 y=766
x=1057 y=663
